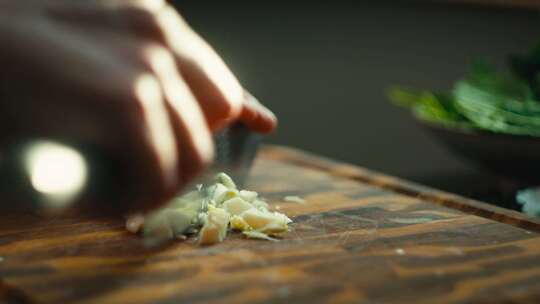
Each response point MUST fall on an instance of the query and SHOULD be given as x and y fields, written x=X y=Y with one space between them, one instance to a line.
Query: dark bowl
x=512 y=156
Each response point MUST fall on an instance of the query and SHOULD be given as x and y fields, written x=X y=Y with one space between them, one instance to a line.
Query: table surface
x=359 y=236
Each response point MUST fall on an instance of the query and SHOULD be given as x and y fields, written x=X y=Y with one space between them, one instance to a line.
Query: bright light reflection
x=56 y=171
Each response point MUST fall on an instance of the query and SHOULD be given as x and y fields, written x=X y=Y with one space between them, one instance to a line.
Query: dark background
x=324 y=67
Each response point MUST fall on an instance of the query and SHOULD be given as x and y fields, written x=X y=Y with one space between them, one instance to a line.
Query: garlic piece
x=214 y=229
x=134 y=223
x=219 y=193
x=210 y=211
x=248 y=196
x=226 y=180
x=235 y=206
x=180 y=219
x=294 y=199
x=265 y=221
x=238 y=223
x=191 y=199
x=260 y=204
x=259 y=235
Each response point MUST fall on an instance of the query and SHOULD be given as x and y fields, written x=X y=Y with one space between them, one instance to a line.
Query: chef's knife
x=51 y=176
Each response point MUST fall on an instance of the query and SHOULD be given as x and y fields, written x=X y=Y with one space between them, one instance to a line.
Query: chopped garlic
x=294 y=199
x=179 y=219
x=157 y=227
x=134 y=223
x=235 y=206
x=226 y=180
x=260 y=204
x=174 y=219
x=210 y=211
x=219 y=193
x=238 y=223
x=190 y=199
x=214 y=229
x=259 y=235
x=266 y=221
x=248 y=196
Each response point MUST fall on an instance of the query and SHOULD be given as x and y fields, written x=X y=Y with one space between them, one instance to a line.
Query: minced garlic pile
x=211 y=211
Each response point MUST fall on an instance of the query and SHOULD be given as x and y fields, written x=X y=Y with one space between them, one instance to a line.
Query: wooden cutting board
x=359 y=237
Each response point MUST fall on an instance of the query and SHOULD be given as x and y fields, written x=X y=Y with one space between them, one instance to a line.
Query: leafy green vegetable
x=429 y=106
x=528 y=68
x=485 y=99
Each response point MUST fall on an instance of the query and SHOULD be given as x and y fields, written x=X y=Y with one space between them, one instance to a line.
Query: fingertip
x=258 y=117
x=264 y=126
x=270 y=119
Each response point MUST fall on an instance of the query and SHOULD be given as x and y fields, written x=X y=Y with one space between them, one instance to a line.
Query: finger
x=93 y=10
x=131 y=98
x=211 y=82
x=214 y=86
x=159 y=131
x=256 y=116
x=143 y=140
x=193 y=137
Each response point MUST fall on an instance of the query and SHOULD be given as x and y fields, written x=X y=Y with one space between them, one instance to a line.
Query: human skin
x=129 y=76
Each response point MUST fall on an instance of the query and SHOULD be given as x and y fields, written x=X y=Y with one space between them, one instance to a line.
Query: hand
x=130 y=76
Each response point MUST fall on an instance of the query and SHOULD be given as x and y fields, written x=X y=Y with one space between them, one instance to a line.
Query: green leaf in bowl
x=438 y=108
x=497 y=102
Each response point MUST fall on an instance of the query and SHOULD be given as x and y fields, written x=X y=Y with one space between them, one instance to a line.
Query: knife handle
x=23 y=188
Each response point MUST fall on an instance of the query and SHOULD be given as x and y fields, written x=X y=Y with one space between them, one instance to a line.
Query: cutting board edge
x=344 y=170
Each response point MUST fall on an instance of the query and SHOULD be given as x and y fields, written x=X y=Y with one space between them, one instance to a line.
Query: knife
x=53 y=177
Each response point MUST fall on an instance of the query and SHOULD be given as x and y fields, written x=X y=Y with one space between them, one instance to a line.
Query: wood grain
x=359 y=237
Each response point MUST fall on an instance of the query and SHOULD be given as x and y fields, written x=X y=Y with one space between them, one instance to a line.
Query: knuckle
x=229 y=95
x=235 y=104
x=229 y=108
x=169 y=15
x=130 y=91
x=141 y=13
x=151 y=6
x=146 y=90
x=134 y=96
x=218 y=106
x=155 y=57
x=143 y=57
x=161 y=57
x=145 y=21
